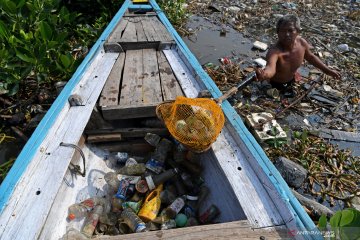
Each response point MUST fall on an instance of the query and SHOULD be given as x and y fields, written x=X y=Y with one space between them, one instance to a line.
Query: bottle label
x=177 y=205
x=154 y=165
x=123 y=187
x=132 y=179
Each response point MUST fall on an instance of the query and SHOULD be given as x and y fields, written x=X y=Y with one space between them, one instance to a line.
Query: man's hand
x=260 y=75
x=333 y=73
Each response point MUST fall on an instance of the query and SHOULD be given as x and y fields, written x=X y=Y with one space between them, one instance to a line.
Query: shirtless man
x=284 y=58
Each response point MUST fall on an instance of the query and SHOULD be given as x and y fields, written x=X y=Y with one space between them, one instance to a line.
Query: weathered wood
x=97 y=121
x=113 y=47
x=151 y=81
x=131 y=88
x=129 y=132
x=129 y=34
x=115 y=36
x=109 y=137
x=140 y=45
x=230 y=230
x=141 y=37
x=338 y=135
x=148 y=14
x=137 y=147
x=149 y=31
x=169 y=85
x=110 y=93
x=160 y=30
x=129 y=111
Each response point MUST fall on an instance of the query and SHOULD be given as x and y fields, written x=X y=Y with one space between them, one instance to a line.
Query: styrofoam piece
x=261 y=62
x=260 y=45
x=264 y=134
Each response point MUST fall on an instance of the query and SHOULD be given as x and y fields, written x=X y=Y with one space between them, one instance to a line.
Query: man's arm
x=314 y=60
x=269 y=71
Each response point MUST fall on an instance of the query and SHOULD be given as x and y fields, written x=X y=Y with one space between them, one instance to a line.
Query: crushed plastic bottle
x=155 y=180
x=80 y=210
x=133 y=221
x=91 y=221
x=135 y=169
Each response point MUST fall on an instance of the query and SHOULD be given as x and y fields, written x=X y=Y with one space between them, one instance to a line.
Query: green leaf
x=335 y=220
x=21 y=3
x=24 y=55
x=65 y=60
x=3 y=30
x=322 y=222
x=346 y=218
x=10 y=6
x=45 y=30
x=13 y=90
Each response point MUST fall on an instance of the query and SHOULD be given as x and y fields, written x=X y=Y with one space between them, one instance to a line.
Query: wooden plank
x=131 y=88
x=115 y=36
x=169 y=85
x=230 y=230
x=151 y=81
x=139 y=45
x=130 y=132
x=109 y=137
x=45 y=173
x=149 y=30
x=110 y=93
x=141 y=37
x=129 y=34
x=129 y=111
x=160 y=30
x=137 y=147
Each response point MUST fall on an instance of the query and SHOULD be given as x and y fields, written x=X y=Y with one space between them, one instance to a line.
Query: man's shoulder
x=302 y=41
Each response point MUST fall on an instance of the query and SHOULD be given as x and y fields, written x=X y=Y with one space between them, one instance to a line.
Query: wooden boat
x=138 y=62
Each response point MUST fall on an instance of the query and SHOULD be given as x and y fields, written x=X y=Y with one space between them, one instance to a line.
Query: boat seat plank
x=129 y=132
x=230 y=230
x=42 y=178
x=110 y=93
x=129 y=111
x=115 y=36
x=131 y=88
x=141 y=37
x=151 y=80
x=169 y=85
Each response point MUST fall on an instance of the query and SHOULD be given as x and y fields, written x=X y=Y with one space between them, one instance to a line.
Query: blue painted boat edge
x=23 y=160
x=302 y=218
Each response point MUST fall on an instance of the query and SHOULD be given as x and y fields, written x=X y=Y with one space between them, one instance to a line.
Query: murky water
x=211 y=42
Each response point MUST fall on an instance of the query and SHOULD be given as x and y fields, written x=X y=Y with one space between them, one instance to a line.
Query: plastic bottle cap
x=192 y=198
x=71 y=216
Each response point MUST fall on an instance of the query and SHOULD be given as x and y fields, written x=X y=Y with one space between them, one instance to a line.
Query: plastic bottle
x=180 y=187
x=135 y=206
x=187 y=180
x=204 y=191
x=152 y=139
x=154 y=180
x=177 y=204
x=151 y=206
x=210 y=214
x=167 y=197
x=126 y=189
x=112 y=180
x=91 y=221
x=168 y=225
x=80 y=210
x=136 y=169
x=133 y=221
x=157 y=160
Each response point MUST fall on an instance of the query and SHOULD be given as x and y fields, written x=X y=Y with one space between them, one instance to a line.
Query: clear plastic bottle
x=92 y=220
x=168 y=225
x=80 y=210
x=112 y=180
x=133 y=221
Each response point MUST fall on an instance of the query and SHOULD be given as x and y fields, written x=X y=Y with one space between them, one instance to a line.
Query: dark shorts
x=283 y=87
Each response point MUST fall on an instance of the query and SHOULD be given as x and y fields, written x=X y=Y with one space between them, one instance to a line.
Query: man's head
x=288 y=28
x=288 y=19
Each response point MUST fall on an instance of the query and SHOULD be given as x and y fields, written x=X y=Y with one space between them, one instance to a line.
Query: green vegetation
x=345 y=224
x=43 y=41
x=175 y=11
